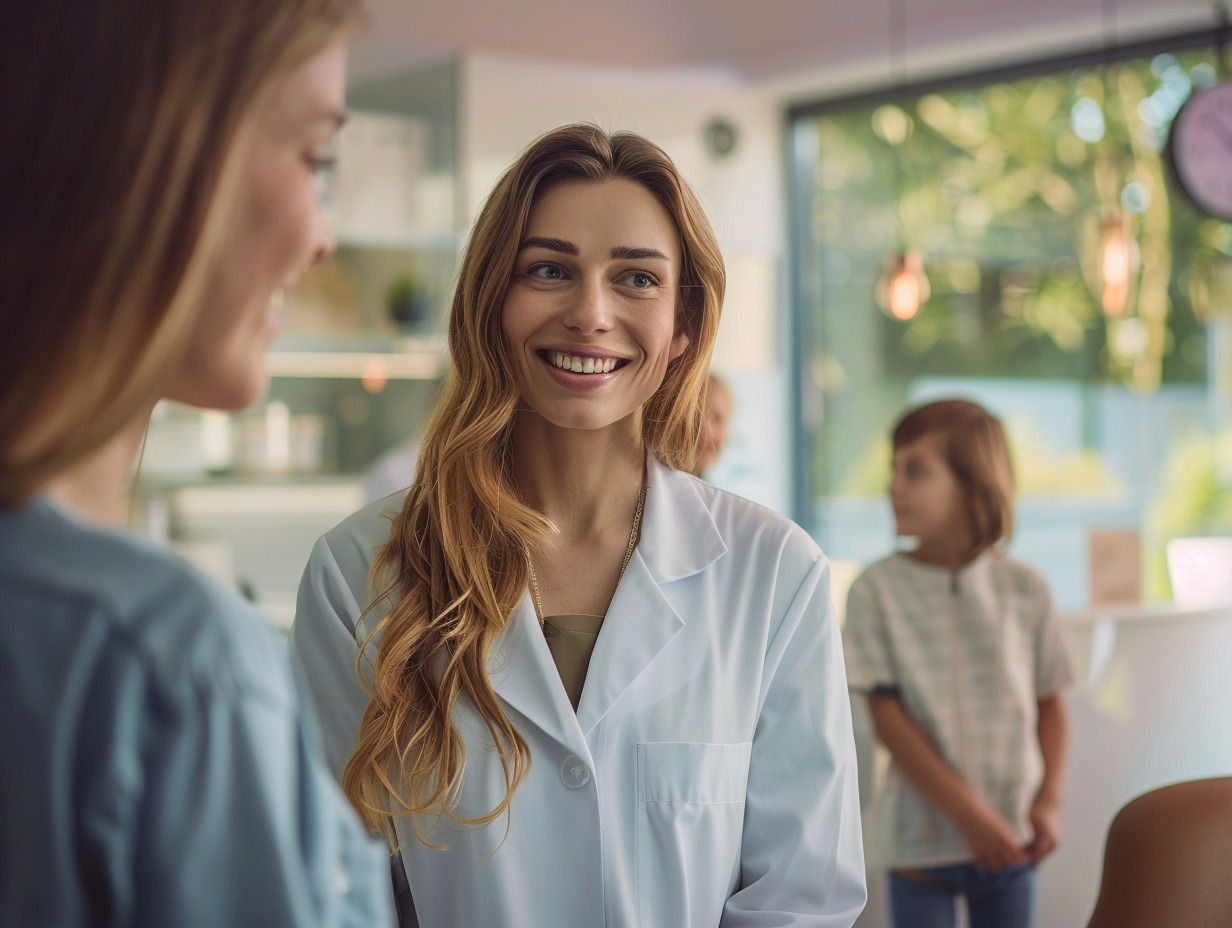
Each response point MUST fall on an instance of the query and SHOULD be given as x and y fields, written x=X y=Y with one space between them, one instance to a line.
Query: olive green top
x=571 y=639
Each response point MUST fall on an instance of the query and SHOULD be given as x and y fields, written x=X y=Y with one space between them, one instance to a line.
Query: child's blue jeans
x=926 y=897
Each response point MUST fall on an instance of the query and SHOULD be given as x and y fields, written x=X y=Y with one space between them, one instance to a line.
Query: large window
x=1064 y=281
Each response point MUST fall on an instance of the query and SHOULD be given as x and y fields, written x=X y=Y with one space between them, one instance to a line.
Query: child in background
x=961 y=655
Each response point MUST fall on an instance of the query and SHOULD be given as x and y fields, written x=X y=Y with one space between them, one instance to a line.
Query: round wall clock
x=1200 y=149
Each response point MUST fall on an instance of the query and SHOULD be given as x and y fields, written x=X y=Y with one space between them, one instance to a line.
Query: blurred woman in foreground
x=157 y=163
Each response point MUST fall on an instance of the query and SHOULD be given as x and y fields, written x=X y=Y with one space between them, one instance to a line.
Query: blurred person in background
x=593 y=688
x=961 y=655
x=158 y=165
x=716 y=417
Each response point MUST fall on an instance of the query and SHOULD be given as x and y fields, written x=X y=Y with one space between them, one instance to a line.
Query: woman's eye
x=640 y=280
x=545 y=272
x=322 y=167
x=322 y=162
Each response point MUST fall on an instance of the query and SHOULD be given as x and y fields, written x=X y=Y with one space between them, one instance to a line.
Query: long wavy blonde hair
x=121 y=120
x=455 y=567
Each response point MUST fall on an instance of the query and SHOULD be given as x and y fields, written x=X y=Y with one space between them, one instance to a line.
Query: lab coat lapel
x=678 y=539
x=639 y=624
x=524 y=675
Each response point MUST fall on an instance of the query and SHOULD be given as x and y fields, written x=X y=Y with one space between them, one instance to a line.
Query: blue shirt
x=157 y=768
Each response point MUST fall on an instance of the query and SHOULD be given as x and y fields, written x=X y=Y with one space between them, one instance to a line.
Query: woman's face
x=591 y=315
x=273 y=230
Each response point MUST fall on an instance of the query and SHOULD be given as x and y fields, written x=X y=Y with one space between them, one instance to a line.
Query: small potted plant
x=408 y=303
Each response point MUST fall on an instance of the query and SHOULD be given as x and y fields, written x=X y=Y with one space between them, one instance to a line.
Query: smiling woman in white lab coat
x=591 y=689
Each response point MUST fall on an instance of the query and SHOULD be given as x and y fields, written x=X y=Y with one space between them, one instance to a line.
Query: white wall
x=508 y=101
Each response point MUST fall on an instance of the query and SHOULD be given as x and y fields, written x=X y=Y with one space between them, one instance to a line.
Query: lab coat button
x=574 y=773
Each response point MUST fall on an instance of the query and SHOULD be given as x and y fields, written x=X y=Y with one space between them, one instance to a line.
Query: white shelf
x=286 y=499
x=420 y=363
x=394 y=239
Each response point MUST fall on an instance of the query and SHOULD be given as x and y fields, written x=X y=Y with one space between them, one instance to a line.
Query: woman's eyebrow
x=331 y=119
x=619 y=253
x=626 y=253
x=551 y=244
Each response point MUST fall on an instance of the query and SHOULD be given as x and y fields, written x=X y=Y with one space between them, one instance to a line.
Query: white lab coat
x=708 y=777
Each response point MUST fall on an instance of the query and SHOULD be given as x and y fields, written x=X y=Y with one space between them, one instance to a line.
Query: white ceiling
x=755 y=40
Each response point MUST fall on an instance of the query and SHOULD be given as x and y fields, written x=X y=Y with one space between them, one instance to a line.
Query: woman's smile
x=581 y=363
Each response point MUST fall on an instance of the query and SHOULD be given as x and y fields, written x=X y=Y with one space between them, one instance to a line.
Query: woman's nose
x=323 y=242
x=590 y=308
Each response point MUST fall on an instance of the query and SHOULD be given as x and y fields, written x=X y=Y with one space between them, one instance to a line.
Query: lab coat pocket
x=689 y=823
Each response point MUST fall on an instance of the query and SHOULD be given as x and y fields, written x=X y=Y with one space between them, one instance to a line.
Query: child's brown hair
x=976 y=450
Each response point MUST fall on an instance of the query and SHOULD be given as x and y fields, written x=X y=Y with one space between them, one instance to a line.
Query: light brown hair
x=121 y=119
x=976 y=451
x=455 y=565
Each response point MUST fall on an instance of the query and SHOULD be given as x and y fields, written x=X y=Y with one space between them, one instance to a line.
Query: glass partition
x=1018 y=239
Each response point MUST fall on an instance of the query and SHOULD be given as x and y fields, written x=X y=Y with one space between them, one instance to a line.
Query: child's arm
x=992 y=844
x=1053 y=730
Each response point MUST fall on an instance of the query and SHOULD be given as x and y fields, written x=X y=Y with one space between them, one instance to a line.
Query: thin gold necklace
x=633 y=536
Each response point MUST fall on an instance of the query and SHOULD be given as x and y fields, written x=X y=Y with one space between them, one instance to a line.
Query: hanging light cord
x=898 y=68
x=898 y=41
x=1108 y=26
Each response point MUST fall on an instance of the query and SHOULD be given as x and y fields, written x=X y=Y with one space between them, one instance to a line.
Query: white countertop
x=1164 y=611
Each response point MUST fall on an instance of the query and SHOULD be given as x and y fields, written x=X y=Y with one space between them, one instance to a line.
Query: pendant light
x=903 y=287
x=1115 y=262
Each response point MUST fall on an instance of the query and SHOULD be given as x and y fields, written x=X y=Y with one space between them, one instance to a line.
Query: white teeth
x=579 y=365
